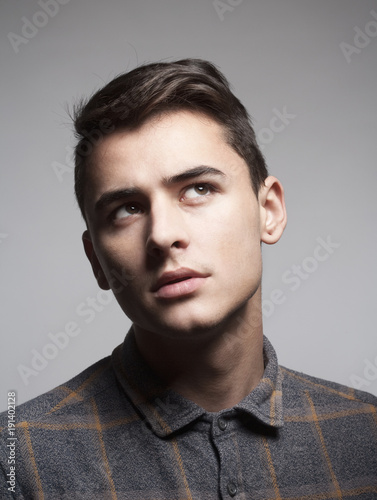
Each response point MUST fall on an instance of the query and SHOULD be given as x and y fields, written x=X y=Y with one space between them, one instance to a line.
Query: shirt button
x=232 y=489
x=223 y=424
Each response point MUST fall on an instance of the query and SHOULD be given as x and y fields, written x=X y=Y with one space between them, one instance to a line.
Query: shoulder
x=299 y=387
x=336 y=424
x=74 y=393
x=53 y=432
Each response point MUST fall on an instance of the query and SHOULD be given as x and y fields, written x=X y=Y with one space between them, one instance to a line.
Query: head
x=176 y=197
x=133 y=98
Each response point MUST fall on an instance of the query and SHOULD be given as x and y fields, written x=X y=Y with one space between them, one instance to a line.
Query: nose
x=167 y=231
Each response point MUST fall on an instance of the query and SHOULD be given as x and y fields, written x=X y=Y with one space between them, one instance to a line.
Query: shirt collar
x=167 y=412
x=265 y=402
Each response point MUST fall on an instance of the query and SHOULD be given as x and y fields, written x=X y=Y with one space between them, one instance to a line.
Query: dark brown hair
x=134 y=97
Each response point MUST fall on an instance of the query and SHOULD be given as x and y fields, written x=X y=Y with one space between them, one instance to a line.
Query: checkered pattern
x=115 y=432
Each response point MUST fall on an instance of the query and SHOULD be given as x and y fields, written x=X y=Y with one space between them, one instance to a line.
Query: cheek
x=239 y=252
x=119 y=258
x=234 y=232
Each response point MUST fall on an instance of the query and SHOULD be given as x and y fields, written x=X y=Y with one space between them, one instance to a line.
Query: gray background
x=277 y=54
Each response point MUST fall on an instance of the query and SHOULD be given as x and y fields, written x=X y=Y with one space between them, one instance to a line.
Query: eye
x=197 y=190
x=126 y=211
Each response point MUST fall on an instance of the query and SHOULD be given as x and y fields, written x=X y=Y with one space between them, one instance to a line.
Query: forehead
x=162 y=147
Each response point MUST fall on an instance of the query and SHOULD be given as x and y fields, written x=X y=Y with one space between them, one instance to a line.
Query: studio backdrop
x=305 y=70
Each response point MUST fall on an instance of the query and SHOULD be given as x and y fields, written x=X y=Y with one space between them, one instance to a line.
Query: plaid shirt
x=115 y=432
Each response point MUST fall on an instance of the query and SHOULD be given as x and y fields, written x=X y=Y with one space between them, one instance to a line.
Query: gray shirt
x=116 y=432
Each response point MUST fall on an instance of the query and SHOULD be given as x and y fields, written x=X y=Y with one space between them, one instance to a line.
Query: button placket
x=224 y=440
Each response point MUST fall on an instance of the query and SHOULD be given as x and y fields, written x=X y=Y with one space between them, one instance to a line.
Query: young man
x=193 y=404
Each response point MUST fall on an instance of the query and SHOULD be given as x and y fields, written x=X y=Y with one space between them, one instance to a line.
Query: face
x=174 y=226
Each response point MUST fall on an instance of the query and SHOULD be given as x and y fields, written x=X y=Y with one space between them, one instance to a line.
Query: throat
x=214 y=375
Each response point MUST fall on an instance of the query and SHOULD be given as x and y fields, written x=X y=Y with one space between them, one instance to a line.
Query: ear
x=272 y=210
x=96 y=266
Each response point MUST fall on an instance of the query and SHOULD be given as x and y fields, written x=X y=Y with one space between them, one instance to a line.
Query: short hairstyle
x=132 y=98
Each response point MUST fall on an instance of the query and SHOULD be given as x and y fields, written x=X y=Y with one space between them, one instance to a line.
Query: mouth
x=178 y=283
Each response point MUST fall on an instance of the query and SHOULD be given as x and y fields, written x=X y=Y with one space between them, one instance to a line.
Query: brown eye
x=197 y=190
x=200 y=189
x=127 y=210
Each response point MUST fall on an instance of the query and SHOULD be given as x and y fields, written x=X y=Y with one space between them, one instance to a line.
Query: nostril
x=157 y=252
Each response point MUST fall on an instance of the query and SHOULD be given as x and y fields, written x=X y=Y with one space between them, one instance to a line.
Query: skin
x=208 y=221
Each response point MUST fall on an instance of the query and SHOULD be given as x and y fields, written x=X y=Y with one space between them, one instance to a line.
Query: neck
x=216 y=370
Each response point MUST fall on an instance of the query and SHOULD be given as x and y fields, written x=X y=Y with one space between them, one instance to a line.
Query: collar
x=167 y=412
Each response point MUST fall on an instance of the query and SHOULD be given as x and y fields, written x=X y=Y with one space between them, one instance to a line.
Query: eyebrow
x=192 y=173
x=122 y=194
x=111 y=196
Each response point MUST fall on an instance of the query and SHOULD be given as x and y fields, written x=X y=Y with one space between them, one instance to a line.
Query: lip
x=178 y=283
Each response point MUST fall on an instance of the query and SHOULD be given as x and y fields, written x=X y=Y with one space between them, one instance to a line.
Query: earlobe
x=272 y=210
x=92 y=257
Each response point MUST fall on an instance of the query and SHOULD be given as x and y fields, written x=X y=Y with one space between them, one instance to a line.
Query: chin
x=190 y=326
